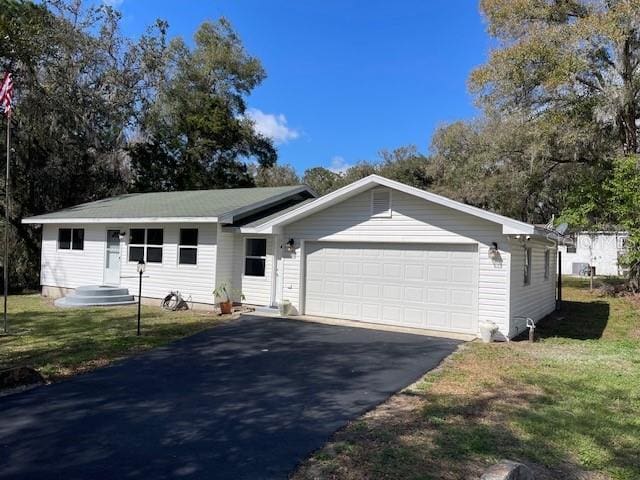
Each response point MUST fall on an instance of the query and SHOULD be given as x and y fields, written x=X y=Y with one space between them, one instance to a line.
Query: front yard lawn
x=62 y=342
x=569 y=406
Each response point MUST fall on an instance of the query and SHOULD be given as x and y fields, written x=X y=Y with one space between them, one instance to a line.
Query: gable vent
x=381 y=203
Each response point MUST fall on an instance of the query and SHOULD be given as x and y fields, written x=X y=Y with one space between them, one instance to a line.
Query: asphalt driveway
x=246 y=400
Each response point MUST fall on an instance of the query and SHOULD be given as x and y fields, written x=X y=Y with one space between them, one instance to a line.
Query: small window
x=546 y=264
x=381 y=203
x=136 y=254
x=527 y=266
x=136 y=236
x=572 y=244
x=155 y=236
x=154 y=254
x=188 y=248
x=71 y=239
x=64 y=238
x=78 y=239
x=146 y=245
x=255 y=257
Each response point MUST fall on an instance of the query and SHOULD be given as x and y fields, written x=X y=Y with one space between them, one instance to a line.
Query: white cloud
x=113 y=3
x=272 y=126
x=339 y=164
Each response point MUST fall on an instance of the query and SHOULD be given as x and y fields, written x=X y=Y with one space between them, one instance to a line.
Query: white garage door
x=418 y=286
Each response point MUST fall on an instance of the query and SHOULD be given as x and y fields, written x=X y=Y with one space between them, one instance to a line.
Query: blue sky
x=346 y=78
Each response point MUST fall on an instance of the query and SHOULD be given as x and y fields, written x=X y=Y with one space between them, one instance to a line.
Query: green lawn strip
x=568 y=405
x=62 y=342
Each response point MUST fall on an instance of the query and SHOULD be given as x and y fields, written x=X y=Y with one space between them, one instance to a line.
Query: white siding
x=413 y=220
x=257 y=290
x=225 y=259
x=538 y=298
x=71 y=269
x=602 y=250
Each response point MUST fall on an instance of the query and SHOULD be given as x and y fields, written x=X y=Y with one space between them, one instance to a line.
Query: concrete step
x=64 y=302
x=100 y=291
x=96 y=295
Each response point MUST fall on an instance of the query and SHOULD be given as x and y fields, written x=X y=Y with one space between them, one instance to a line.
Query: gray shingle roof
x=196 y=203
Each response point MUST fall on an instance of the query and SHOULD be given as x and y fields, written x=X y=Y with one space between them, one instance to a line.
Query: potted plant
x=223 y=292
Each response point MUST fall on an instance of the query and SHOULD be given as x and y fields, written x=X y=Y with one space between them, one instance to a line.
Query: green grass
x=62 y=342
x=568 y=405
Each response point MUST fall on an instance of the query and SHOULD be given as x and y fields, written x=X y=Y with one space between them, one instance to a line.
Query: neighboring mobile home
x=374 y=251
x=600 y=249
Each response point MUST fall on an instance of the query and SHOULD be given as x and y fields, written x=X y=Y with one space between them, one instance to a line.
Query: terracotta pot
x=226 y=307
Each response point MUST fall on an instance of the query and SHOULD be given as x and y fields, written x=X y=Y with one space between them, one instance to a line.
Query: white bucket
x=285 y=308
x=487 y=330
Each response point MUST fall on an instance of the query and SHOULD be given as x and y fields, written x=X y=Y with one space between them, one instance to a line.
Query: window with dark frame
x=547 y=257
x=71 y=239
x=255 y=257
x=572 y=246
x=146 y=244
x=527 y=266
x=188 y=246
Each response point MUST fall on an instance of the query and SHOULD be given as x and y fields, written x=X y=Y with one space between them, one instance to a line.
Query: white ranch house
x=375 y=251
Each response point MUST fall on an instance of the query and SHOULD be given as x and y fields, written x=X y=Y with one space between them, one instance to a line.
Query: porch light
x=493 y=251
x=291 y=245
x=141 y=267
x=122 y=235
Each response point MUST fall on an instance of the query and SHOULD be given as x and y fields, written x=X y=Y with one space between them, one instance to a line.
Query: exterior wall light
x=122 y=235
x=494 y=253
x=291 y=245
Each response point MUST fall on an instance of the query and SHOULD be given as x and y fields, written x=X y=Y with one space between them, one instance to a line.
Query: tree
x=79 y=86
x=197 y=122
x=321 y=180
x=407 y=165
x=275 y=176
x=566 y=59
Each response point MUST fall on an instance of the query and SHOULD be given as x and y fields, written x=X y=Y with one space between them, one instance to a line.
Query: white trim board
x=112 y=220
x=509 y=225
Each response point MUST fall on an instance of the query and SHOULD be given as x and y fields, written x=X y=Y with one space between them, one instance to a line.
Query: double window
x=188 y=247
x=146 y=244
x=255 y=257
x=527 y=266
x=71 y=239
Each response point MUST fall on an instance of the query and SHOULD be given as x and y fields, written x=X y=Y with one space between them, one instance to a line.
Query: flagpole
x=6 y=226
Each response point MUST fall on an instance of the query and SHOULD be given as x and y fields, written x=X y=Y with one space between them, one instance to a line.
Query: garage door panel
x=392 y=271
x=437 y=319
x=437 y=273
x=461 y=321
x=413 y=285
x=392 y=292
x=370 y=312
x=414 y=272
x=414 y=294
x=462 y=274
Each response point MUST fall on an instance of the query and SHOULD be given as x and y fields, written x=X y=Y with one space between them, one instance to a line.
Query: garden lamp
x=140 y=267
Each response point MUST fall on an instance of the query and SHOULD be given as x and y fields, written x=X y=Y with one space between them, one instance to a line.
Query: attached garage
x=416 y=285
x=378 y=251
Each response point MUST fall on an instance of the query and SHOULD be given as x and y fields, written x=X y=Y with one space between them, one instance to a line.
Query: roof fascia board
x=42 y=221
x=510 y=226
x=229 y=217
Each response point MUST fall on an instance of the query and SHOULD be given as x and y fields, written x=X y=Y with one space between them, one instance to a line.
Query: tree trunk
x=628 y=111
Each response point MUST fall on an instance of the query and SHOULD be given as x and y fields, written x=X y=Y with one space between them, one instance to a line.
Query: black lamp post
x=141 y=266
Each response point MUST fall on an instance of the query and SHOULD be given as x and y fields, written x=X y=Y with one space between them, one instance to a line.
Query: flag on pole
x=6 y=93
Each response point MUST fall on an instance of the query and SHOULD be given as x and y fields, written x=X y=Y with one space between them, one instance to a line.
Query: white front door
x=419 y=286
x=112 y=259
